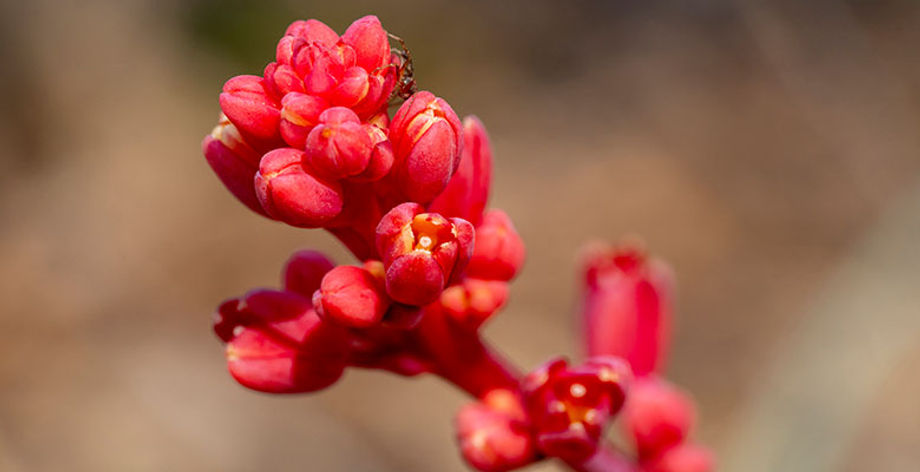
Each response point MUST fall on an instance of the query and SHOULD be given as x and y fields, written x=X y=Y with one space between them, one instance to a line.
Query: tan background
x=771 y=153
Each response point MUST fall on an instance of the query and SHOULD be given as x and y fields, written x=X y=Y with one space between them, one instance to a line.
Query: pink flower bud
x=492 y=441
x=281 y=79
x=381 y=157
x=369 y=40
x=299 y=114
x=683 y=458
x=248 y=106
x=312 y=31
x=499 y=251
x=352 y=296
x=473 y=301
x=570 y=406
x=658 y=416
x=304 y=271
x=234 y=162
x=281 y=346
x=468 y=190
x=340 y=145
x=290 y=194
x=627 y=306
x=422 y=252
x=425 y=133
x=352 y=88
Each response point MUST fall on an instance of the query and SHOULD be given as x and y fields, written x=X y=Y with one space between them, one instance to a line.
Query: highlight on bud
x=627 y=305
x=657 y=416
x=234 y=161
x=290 y=193
x=499 y=252
x=277 y=344
x=467 y=192
x=426 y=136
x=570 y=406
x=352 y=296
x=421 y=252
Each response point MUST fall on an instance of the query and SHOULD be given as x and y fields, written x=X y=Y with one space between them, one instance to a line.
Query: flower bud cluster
x=311 y=143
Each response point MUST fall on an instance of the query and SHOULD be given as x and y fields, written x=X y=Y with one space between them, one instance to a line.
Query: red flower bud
x=468 y=190
x=304 y=271
x=425 y=133
x=352 y=296
x=658 y=416
x=340 y=145
x=491 y=440
x=234 y=162
x=683 y=458
x=249 y=107
x=312 y=31
x=381 y=157
x=569 y=406
x=281 y=79
x=299 y=114
x=473 y=301
x=279 y=344
x=422 y=252
x=627 y=306
x=369 y=40
x=499 y=251
x=290 y=194
x=352 y=88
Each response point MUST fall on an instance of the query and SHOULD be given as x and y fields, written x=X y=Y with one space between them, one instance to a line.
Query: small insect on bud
x=570 y=406
x=339 y=146
x=234 y=161
x=627 y=305
x=352 y=296
x=291 y=194
x=422 y=252
x=467 y=192
x=658 y=416
x=499 y=252
x=279 y=345
x=249 y=107
x=426 y=136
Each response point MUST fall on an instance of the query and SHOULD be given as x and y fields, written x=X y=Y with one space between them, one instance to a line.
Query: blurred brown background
x=770 y=151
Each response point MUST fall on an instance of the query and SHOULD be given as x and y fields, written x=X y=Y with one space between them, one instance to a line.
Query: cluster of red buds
x=311 y=143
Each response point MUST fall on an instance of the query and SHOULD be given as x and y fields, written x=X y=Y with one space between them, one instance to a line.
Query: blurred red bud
x=234 y=162
x=499 y=251
x=467 y=192
x=473 y=301
x=370 y=42
x=683 y=458
x=425 y=133
x=339 y=146
x=299 y=114
x=627 y=306
x=279 y=344
x=248 y=106
x=290 y=194
x=492 y=441
x=422 y=252
x=304 y=271
x=352 y=296
x=657 y=416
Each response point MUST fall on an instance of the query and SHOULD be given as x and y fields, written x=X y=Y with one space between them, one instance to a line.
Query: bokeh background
x=769 y=150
